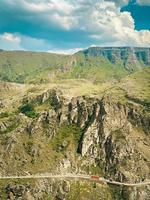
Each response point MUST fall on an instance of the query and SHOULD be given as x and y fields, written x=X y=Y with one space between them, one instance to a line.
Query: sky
x=66 y=26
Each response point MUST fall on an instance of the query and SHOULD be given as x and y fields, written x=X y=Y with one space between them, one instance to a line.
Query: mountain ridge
x=95 y=63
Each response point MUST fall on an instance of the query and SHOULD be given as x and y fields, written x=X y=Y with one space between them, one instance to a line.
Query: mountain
x=91 y=118
x=96 y=63
x=128 y=55
x=21 y=66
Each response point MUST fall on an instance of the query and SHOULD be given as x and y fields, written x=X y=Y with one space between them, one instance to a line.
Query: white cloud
x=52 y=12
x=144 y=2
x=100 y=20
x=119 y=3
x=9 y=41
x=65 y=51
x=50 y=6
x=11 y=38
x=108 y=25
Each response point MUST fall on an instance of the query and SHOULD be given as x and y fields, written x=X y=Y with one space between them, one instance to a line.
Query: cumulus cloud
x=9 y=41
x=108 y=25
x=65 y=51
x=143 y=2
x=10 y=37
x=70 y=22
x=119 y=30
x=119 y=3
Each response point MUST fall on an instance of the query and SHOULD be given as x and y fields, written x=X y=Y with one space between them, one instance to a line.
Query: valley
x=82 y=114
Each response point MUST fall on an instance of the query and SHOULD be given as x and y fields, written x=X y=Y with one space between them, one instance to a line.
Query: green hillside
x=96 y=69
x=20 y=66
x=94 y=64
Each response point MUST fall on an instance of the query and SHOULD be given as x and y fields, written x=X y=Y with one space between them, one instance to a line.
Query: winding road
x=77 y=177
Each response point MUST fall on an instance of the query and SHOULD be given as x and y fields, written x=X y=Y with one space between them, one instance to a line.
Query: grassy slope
x=134 y=87
x=96 y=69
x=137 y=85
x=31 y=67
x=19 y=66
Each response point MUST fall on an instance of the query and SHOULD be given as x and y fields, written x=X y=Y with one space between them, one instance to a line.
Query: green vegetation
x=117 y=94
x=3 y=195
x=47 y=196
x=43 y=106
x=96 y=69
x=10 y=128
x=117 y=193
x=20 y=66
x=96 y=169
x=28 y=110
x=137 y=86
x=31 y=67
x=85 y=191
x=4 y=114
x=12 y=124
x=66 y=135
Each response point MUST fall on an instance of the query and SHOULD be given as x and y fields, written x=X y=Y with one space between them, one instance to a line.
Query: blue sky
x=140 y=14
x=65 y=26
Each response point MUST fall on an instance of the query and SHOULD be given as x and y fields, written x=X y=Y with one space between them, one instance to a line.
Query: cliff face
x=129 y=56
x=78 y=135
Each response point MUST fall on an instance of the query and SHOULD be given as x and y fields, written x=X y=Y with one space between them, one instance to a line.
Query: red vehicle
x=94 y=178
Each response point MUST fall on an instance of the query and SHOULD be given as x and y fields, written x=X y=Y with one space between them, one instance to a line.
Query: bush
x=28 y=110
x=65 y=134
x=4 y=114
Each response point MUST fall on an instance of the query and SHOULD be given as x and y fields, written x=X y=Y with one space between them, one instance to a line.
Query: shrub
x=65 y=134
x=4 y=114
x=28 y=110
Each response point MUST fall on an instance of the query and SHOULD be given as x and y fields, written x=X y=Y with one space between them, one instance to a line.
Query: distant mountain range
x=127 y=54
x=98 y=64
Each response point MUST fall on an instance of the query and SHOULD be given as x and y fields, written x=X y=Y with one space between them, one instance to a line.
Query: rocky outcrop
x=43 y=189
x=127 y=55
x=110 y=140
x=138 y=118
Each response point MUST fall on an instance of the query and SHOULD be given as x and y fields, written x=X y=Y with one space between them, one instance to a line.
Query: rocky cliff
x=128 y=55
x=77 y=134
